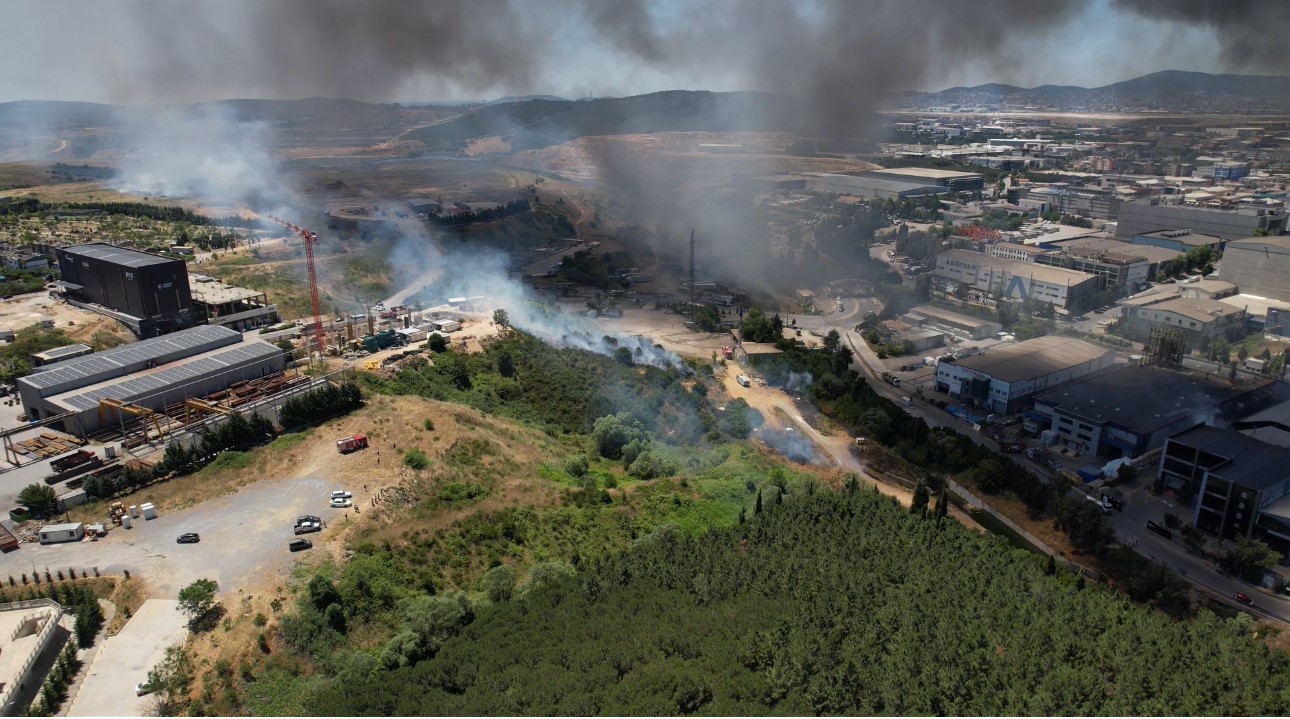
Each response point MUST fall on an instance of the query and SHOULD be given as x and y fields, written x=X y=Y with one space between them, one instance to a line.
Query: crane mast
x=309 y=239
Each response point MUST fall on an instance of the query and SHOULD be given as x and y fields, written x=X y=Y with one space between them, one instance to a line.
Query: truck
x=891 y=379
x=351 y=444
x=1012 y=447
x=727 y=352
x=743 y=380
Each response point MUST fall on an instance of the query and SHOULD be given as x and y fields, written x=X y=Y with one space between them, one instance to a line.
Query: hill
x=539 y=123
x=1168 y=89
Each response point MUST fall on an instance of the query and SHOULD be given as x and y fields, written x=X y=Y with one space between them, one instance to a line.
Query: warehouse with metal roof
x=152 y=374
x=1002 y=379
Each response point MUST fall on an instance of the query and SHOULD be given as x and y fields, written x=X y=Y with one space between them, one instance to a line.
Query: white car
x=341 y=494
x=143 y=688
x=341 y=503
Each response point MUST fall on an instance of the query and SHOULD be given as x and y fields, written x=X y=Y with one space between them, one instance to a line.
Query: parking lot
x=243 y=540
x=123 y=662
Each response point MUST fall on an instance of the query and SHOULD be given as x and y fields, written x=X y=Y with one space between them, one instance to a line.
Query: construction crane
x=309 y=239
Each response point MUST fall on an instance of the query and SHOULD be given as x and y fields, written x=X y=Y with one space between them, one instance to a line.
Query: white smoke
x=203 y=152
x=483 y=273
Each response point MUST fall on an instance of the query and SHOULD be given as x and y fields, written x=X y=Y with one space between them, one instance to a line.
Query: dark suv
x=189 y=538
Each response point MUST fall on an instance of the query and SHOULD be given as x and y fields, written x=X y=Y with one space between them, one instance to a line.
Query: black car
x=189 y=538
x=297 y=545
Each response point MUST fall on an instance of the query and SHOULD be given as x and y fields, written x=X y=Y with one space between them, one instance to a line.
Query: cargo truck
x=351 y=444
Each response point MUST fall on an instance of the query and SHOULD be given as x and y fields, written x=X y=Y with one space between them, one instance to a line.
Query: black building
x=148 y=293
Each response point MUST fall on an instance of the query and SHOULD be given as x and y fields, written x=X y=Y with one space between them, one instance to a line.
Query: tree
x=757 y=506
x=499 y=582
x=922 y=497
x=1250 y=557
x=197 y=600
x=170 y=680
x=501 y=318
x=437 y=343
x=416 y=459
x=505 y=365
x=614 y=432
x=39 y=499
x=89 y=618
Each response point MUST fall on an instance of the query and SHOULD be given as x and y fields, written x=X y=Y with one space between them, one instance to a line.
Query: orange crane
x=309 y=239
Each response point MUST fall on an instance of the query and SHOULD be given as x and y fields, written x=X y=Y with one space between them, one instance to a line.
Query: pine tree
x=1051 y=569
x=757 y=506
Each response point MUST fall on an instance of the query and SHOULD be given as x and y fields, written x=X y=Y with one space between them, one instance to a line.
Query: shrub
x=416 y=459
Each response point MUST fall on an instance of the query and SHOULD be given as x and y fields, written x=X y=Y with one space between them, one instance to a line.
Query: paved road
x=123 y=662
x=243 y=536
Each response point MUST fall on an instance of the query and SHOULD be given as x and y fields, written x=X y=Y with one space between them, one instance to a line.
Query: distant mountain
x=525 y=98
x=1168 y=89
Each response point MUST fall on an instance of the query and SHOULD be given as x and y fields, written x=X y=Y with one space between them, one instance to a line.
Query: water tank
x=126 y=521
x=134 y=511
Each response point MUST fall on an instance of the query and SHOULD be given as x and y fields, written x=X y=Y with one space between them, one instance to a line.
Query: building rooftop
x=1107 y=244
x=1211 y=286
x=1191 y=239
x=17 y=651
x=936 y=313
x=173 y=375
x=210 y=291
x=926 y=172
x=1042 y=273
x=1142 y=399
x=109 y=363
x=1199 y=309
x=118 y=255
x=57 y=353
x=1256 y=306
x=64 y=527
x=1280 y=242
x=1250 y=463
x=1033 y=358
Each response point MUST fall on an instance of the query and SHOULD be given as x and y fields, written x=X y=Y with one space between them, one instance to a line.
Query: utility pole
x=693 y=310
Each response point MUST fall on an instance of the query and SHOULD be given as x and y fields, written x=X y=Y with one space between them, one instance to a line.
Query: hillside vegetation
x=828 y=603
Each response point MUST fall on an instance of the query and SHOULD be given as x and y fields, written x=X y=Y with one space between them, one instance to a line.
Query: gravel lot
x=243 y=540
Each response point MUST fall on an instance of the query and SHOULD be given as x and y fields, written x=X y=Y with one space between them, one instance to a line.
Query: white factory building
x=1002 y=379
x=154 y=374
x=1016 y=280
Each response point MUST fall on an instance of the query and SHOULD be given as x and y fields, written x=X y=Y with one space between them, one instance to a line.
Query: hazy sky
x=149 y=51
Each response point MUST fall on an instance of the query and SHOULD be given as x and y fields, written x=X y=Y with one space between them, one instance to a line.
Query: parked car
x=341 y=503
x=297 y=545
x=308 y=527
x=308 y=519
x=341 y=494
x=189 y=538
x=143 y=688
x=1244 y=599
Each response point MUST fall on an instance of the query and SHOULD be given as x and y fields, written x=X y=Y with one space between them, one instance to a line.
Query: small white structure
x=149 y=511
x=447 y=325
x=56 y=533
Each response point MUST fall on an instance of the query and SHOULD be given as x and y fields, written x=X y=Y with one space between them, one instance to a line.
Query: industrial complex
x=148 y=293
x=1017 y=280
x=89 y=392
x=1130 y=411
x=1002 y=379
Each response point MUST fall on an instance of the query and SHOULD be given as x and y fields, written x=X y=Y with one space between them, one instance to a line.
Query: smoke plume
x=1251 y=33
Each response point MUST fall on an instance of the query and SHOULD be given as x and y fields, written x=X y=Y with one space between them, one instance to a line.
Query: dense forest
x=837 y=603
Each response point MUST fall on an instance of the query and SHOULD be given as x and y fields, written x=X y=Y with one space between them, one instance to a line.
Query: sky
x=168 y=52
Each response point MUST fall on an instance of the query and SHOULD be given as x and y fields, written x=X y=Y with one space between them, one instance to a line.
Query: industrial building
x=928 y=316
x=58 y=354
x=1240 y=485
x=949 y=179
x=883 y=188
x=1093 y=202
x=1200 y=319
x=151 y=374
x=1259 y=266
x=1149 y=216
x=1003 y=378
x=1130 y=411
x=1118 y=270
x=1178 y=240
x=1017 y=280
x=146 y=292
x=230 y=306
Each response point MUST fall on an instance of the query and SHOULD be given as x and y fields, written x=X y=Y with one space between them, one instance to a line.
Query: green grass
x=288 y=441
x=230 y=460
